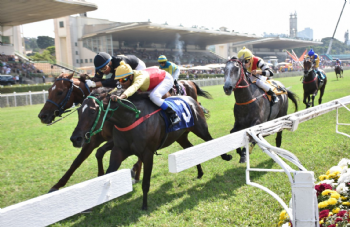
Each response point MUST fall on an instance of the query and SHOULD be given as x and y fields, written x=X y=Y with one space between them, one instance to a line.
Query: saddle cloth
x=183 y=110
x=276 y=88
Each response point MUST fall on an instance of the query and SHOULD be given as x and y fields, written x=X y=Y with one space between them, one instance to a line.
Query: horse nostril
x=230 y=88
x=42 y=116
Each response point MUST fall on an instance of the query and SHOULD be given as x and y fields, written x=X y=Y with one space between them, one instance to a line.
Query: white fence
x=50 y=208
x=304 y=201
x=23 y=98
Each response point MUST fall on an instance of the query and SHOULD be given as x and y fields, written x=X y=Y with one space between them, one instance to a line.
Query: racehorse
x=311 y=84
x=141 y=137
x=67 y=90
x=338 y=71
x=252 y=107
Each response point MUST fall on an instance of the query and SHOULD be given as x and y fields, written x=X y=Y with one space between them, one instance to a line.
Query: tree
x=31 y=44
x=52 y=50
x=337 y=47
x=45 y=56
x=45 y=41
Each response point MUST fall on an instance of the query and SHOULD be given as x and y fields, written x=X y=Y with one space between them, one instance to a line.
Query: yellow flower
x=335 y=195
x=330 y=214
x=332 y=201
x=346 y=203
x=336 y=210
x=283 y=215
x=327 y=172
x=321 y=222
x=326 y=192
x=280 y=223
x=343 y=198
x=322 y=177
x=323 y=204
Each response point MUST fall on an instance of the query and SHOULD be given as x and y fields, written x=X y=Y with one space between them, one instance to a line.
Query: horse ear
x=70 y=76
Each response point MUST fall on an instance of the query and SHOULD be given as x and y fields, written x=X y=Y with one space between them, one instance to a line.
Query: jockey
x=338 y=62
x=105 y=64
x=316 y=61
x=171 y=68
x=256 y=66
x=159 y=82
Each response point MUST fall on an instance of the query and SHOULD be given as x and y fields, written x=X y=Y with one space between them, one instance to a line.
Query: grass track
x=33 y=157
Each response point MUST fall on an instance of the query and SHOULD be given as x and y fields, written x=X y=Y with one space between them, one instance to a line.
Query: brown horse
x=142 y=140
x=338 y=71
x=60 y=92
x=311 y=84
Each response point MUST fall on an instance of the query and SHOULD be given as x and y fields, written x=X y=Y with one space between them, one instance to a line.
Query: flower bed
x=333 y=197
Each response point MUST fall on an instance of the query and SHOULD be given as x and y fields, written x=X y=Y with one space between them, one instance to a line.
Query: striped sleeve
x=266 y=71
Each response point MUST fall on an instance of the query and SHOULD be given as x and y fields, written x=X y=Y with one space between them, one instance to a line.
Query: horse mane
x=84 y=77
x=135 y=97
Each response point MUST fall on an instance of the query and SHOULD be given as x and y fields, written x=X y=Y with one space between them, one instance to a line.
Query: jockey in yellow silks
x=159 y=82
x=171 y=68
x=256 y=66
x=315 y=59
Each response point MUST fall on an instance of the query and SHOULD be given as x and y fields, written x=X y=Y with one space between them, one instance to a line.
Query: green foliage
x=30 y=43
x=337 y=47
x=24 y=88
x=34 y=157
x=52 y=50
x=45 y=41
x=44 y=56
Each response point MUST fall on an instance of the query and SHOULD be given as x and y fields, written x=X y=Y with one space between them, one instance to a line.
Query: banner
x=293 y=57
x=302 y=56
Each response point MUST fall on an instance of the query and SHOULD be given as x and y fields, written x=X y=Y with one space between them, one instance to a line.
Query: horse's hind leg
x=308 y=100
x=100 y=154
x=279 y=139
x=185 y=143
x=147 y=172
x=321 y=94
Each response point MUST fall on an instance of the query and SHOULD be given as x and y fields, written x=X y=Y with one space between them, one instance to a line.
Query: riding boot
x=274 y=98
x=174 y=119
x=320 y=78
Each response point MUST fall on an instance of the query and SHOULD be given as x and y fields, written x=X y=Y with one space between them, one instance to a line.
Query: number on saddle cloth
x=183 y=110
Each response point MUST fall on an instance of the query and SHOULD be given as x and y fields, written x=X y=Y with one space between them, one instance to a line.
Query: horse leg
x=279 y=139
x=99 y=156
x=304 y=100
x=136 y=170
x=84 y=153
x=321 y=94
x=313 y=100
x=241 y=152
x=117 y=157
x=147 y=172
x=185 y=143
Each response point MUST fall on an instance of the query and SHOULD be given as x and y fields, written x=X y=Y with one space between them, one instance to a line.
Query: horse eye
x=92 y=111
x=60 y=93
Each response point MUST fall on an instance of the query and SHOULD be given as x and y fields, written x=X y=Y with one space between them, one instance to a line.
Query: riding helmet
x=123 y=70
x=311 y=52
x=162 y=58
x=244 y=54
x=101 y=59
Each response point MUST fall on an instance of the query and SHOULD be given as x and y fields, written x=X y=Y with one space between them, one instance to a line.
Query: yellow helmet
x=244 y=54
x=162 y=58
x=123 y=70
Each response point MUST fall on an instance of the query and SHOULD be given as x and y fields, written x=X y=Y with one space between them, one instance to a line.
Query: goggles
x=104 y=68
x=162 y=63
x=123 y=80
x=246 y=61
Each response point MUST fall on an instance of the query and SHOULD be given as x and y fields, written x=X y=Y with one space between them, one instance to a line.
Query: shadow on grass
x=127 y=210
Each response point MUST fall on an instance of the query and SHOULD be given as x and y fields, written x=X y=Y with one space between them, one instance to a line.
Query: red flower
x=341 y=213
x=332 y=225
x=323 y=214
x=321 y=187
x=338 y=220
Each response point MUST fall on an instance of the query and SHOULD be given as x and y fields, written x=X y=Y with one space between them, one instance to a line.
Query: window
x=76 y=52
x=76 y=44
x=81 y=60
x=86 y=61
x=77 y=61
x=90 y=60
x=61 y=24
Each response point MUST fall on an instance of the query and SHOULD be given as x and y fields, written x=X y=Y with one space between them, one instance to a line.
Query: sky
x=245 y=16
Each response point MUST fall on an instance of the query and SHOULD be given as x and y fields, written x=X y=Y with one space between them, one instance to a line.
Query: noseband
x=241 y=76
x=62 y=104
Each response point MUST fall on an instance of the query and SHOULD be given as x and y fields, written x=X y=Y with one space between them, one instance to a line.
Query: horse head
x=233 y=75
x=307 y=66
x=62 y=95
x=89 y=116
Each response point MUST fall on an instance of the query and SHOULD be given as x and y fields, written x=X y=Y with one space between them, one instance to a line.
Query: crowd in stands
x=184 y=57
x=12 y=65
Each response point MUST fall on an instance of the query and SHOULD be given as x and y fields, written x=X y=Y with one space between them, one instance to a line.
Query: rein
x=241 y=76
x=88 y=135
x=63 y=103
x=306 y=74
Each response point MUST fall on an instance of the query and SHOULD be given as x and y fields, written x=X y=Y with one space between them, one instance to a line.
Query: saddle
x=276 y=88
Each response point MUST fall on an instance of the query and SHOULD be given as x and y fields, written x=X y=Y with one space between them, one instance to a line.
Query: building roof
x=16 y=12
x=158 y=33
x=278 y=43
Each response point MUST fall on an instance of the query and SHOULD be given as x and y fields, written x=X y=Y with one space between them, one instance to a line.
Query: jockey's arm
x=137 y=83
x=265 y=69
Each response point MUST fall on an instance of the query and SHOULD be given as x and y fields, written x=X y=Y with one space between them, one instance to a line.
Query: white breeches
x=176 y=74
x=161 y=89
x=141 y=65
x=261 y=83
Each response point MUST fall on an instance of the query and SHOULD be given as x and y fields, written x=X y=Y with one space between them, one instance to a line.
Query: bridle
x=241 y=76
x=307 y=73
x=63 y=103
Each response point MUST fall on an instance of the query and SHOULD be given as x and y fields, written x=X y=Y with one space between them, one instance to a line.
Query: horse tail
x=201 y=92
x=292 y=96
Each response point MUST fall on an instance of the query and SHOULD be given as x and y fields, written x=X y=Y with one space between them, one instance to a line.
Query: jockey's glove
x=90 y=83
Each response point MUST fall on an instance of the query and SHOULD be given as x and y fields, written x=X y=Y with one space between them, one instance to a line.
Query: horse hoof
x=53 y=190
x=144 y=208
x=132 y=173
x=228 y=157
x=135 y=181
x=200 y=175
x=88 y=211
x=242 y=160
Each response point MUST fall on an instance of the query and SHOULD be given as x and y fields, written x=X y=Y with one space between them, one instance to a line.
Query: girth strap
x=136 y=123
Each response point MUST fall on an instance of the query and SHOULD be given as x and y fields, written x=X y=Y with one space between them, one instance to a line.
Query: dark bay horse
x=311 y=84
x=144 y=139
x=60 y=91
x=252 y=107
x=338 y=71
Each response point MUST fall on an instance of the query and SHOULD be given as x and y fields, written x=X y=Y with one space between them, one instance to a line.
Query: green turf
x=33 y=157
